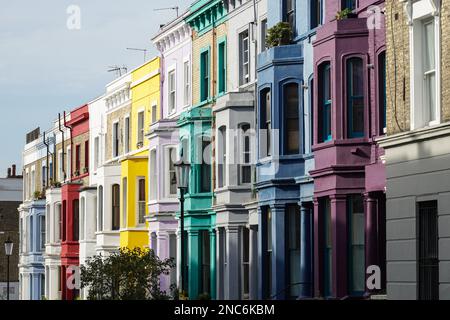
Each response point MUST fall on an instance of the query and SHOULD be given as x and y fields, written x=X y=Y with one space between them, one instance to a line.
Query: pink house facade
x=349 y=175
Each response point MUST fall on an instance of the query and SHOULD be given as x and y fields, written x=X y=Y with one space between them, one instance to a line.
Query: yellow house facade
x=145 y=110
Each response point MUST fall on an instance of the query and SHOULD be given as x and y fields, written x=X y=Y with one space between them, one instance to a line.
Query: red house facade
x=78 y=172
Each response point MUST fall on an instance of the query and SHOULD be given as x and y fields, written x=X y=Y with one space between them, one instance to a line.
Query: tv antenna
x=142 y=50
x=118 y=70
x=169 y=8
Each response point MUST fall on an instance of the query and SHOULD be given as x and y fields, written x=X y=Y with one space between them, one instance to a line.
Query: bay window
x=291 y=119
x=245 y=168
x=355 y=98
x=171 y=179
x=205 y=166
x=115 y=218
x=76 y=220
x=141 y=200
x=266 y=123
x=325 y=102
x=357 y=274
x=124 y=202
x=222 y=159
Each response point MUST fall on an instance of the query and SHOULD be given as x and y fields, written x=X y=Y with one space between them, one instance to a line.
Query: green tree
x=129 y=274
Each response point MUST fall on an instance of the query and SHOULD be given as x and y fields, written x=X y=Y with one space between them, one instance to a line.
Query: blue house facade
x=285 y=189
x=31 y=265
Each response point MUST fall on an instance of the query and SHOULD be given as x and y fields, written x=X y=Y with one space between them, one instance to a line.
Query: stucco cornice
x=415 y=136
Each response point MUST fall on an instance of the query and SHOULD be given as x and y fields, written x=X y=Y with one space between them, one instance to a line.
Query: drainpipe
x=45 y=184
x=256 y=95
x=71 y=145
x=63 y=147
x=213 y=95
x=54 y=156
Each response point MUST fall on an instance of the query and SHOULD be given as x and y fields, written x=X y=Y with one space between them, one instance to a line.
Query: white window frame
x=82 y=216
x=138 y=223
x=115 y=136
x=140 y=131
x=167 y=149
x=172 y=91
x=42 y=232
x=33 y=181
x=187 y=82
x=124 y=217
x=126 y=135
x=244 y=79
x=57 y=221
x=60 y=166
x=96 y=153
x=154 y=111
x=153 y=180
x=418 y=12
x=69 y=164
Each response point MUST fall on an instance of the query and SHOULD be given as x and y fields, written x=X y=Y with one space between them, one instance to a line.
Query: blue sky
x=45 y=68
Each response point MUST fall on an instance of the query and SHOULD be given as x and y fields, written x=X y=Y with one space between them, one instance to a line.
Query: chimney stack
x=9 y=173
x=14 y=170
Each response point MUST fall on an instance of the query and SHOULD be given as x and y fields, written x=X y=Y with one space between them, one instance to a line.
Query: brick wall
x=118 y=115
x=398 y=66
x=9 y=223
x=198 y=43
x=397 y=79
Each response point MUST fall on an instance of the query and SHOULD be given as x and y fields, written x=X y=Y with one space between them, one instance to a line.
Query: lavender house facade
x=349 y=176
x=175 y=45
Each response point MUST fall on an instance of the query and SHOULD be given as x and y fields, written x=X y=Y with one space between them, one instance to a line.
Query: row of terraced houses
x=319 y=167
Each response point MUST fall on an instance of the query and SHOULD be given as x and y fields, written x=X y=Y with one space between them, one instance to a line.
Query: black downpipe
x=71 y=145
x=45 y=185
x=63 y=148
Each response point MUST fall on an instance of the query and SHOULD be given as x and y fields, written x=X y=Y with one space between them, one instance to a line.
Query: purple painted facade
x=348 y=171
x=174 y=43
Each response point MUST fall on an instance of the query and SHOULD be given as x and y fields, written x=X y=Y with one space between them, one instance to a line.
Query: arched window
x=291 y=119
x=324 y=102
x=222 y=153
x=205 y=165
x=266 y=123
x=115 y=207
x=355 y=98
x=100 y=209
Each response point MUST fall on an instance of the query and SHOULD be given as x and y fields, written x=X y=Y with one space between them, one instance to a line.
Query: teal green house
x=206 y=18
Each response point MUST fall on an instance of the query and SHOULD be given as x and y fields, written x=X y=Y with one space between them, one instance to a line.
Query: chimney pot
x=14 y=170
x=9 y=173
